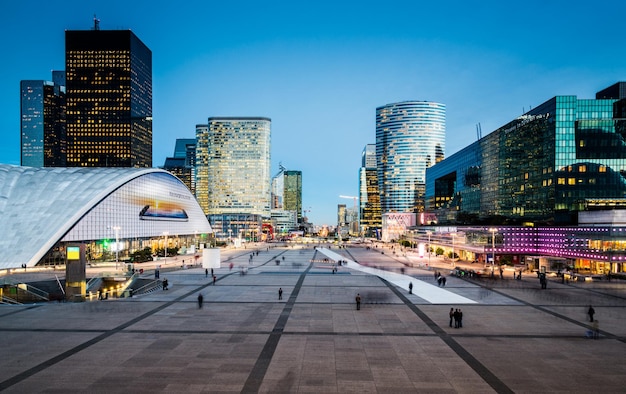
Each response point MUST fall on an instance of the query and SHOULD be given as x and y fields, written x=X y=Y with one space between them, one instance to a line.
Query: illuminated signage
x=73 y=253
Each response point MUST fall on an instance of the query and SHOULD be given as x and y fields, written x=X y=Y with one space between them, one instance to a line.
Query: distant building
x=183 y=163
x=410 y=137
x=286 y=195
x=369 y=195
x=565 y=156
x=343 y=227
x=109 y=99
x=283 y=221
x=292 y=195
x=233 y=173
x=43 y=134
x=278 y=190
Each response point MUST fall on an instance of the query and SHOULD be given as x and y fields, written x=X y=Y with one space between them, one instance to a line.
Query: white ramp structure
x=426 y=291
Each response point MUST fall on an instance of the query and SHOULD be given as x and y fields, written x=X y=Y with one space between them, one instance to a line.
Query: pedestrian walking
x=165 y=284
x=206 y=272
x=591 y=312
x=443 y=281
x=200 y=299
x=451 y=316
x=410 y=287
x=214 y=279
x=358 y=302
x=212 y=272
x=280 y=293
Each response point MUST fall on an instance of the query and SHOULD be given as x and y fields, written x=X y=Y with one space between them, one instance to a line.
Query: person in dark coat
x=358 y=302
x=591 y=312
x=280 y=293
x=200 y=300
x=410 y=287
x=451 y=316
x=460 y=319
x=456 y=318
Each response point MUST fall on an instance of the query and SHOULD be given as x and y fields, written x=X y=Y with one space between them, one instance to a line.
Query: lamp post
x=429 y=234
x=165 y=257
x=493 y=248
x=453 y=236
x=117 y=246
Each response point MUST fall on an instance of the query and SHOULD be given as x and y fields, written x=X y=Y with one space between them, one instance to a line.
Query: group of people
x=457 y=316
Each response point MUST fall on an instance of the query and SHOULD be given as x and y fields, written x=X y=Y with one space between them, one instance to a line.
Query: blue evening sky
x=319 y=69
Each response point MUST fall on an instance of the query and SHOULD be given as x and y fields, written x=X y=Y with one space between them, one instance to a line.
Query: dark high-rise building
x=109 y=99
x=183 y=163
x=42 y=121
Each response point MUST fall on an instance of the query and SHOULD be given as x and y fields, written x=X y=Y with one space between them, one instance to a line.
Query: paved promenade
x=516 y=337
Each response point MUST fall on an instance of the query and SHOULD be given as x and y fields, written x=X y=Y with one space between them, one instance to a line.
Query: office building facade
x=42 y=123
x=565 y=156
x=109 y=99
x=183 y=163
x=233 y=171
x=292 y=194
x=410 y=137
x=369 y=197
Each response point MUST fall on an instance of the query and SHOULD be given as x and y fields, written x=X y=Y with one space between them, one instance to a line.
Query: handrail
x=44 y=295
x=148 y=286
x=8 y=300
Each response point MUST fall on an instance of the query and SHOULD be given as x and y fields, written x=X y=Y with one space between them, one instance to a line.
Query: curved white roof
x=41 y=206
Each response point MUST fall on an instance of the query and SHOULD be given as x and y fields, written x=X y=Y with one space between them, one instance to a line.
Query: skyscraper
x=183 y=163
x=233 y=171
x=292 y=195
x=410 y=137
x=109 y=99
x=42 y=109
x=369 y=196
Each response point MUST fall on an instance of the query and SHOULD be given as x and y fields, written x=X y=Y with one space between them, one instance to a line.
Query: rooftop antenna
x=96 y=23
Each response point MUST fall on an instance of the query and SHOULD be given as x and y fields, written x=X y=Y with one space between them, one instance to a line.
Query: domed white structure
x=41 y=209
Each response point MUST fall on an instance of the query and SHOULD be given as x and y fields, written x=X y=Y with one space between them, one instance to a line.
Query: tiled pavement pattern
x=515 y=337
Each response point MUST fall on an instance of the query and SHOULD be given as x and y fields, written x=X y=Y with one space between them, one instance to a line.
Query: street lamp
x=165 y=259
x=453 y=236
x=429 y=234
x=493 y=248
x=117 y=245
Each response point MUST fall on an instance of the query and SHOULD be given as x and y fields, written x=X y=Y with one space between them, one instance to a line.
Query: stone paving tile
x=517 y=336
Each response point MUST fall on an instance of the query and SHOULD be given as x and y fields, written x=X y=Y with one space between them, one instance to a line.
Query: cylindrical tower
x=410 y=137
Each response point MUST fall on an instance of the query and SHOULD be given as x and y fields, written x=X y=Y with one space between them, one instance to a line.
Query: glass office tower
x=566 y=155
x=292 y=193
x=233 y=166
x=42 y=121
x=109 y=99
x=410 y=137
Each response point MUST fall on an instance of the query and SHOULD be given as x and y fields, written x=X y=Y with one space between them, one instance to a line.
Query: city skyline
x=319 y=73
